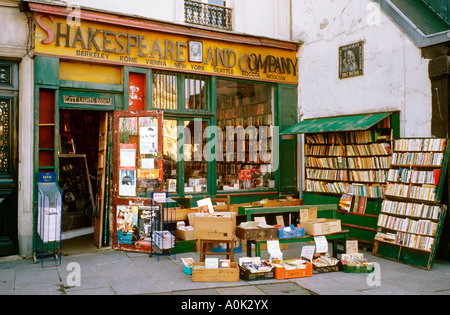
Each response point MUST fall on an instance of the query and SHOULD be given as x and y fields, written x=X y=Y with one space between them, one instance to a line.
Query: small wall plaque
x=351 y=60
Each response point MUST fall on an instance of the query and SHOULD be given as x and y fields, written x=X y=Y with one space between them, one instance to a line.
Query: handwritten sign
x=351 y=247
x=321 y=244
x=308 y=252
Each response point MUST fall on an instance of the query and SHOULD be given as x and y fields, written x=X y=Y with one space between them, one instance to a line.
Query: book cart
x=349 y=155
x=411 y=218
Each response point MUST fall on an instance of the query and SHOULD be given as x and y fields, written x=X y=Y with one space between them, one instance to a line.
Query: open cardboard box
x=314 y=226
x=216 y=226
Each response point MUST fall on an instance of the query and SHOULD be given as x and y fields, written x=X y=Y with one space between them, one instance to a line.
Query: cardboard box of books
x=215 y=226
x=184 y=232
x=314 y=226
x=215 y=270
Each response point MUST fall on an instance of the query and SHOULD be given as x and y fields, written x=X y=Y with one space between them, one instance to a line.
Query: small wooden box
x=215 y=275
x=257 y=234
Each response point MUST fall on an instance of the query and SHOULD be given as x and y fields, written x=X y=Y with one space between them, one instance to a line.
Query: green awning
x=337 y=123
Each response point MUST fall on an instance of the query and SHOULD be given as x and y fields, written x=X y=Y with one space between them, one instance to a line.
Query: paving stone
x=242 y=290
x=286 y=288
x=134 y=285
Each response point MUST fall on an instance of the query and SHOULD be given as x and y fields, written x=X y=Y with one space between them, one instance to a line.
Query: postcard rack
x=48 y=223
x=163 y=230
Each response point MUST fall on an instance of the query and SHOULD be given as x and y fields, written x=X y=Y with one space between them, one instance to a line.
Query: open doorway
x=81 y=143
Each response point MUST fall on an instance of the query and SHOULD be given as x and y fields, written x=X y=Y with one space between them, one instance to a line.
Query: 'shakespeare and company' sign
x=141 y=47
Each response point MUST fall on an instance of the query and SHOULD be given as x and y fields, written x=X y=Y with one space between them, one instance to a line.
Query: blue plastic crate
x=222 y=249
x=187 y=270
x=293 y=233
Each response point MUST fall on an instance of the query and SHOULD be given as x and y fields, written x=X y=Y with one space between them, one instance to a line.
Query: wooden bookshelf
x=354 y=162
x=411 y=217
x=248 y=144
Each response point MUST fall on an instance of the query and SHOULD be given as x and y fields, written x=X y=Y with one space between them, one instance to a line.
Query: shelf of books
x=353 y=165
x=411 y=218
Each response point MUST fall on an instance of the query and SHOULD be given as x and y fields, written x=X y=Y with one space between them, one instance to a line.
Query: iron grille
x=207 y=14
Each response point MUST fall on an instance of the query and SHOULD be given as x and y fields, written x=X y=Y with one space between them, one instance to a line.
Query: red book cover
x=437 y=175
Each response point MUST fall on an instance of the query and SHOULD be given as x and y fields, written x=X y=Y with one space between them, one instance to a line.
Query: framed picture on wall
x=351 y=60
x=195 y=51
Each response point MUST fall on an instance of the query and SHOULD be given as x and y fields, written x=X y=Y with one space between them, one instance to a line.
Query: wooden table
x=249 y=211
x=334 y=238
x=229 y=252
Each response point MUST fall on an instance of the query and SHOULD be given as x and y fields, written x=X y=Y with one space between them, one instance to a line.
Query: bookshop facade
x=158 y=107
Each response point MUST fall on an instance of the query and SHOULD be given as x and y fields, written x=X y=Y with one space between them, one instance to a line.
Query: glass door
x=138 y=171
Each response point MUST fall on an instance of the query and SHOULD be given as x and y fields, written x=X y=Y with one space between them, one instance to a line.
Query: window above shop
x=212 y=13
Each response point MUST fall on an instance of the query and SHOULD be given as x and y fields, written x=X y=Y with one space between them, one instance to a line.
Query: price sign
x=321 y=244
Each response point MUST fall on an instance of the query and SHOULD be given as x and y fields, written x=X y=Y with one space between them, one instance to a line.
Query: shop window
x=170 y=155
x=195 y=92
x=195 y=157
x=165 y=90
x=245 y=149
x=138 y=148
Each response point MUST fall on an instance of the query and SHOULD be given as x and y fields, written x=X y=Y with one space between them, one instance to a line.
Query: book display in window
x=411 y=218
x=244 y=147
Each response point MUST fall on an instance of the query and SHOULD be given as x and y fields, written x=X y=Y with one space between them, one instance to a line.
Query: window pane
x=165 y=90
x=138 y=163
x=217 y=2
x=195 y=163
x=195 y=92
x=170 y=155
x=136 y=91
x=245 y=154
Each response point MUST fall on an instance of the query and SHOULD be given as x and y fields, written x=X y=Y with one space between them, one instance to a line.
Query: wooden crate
x=215 y=275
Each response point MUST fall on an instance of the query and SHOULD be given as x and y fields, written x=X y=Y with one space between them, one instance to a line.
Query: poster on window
x=148 y=140
x=127 y=183
x=128 y=155
x=127 y=219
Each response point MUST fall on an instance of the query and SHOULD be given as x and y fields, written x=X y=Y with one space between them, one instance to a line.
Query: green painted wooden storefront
x=49 y=100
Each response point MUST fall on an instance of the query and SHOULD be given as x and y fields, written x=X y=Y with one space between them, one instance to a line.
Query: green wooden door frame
x=286 y=111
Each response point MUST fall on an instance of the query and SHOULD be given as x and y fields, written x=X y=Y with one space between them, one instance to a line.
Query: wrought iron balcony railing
x=211 y=15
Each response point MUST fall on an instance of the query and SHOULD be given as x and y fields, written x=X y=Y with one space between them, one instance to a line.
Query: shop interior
x=78 y=163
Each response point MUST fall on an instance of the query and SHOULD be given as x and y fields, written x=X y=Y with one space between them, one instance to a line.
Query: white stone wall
x=266 y=18
x=14 y=39
x=395 y=75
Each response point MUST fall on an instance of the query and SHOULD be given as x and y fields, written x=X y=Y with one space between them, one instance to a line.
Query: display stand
x=163 y=231
x=411 y=218
x=48 y=229
x=348 y=155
